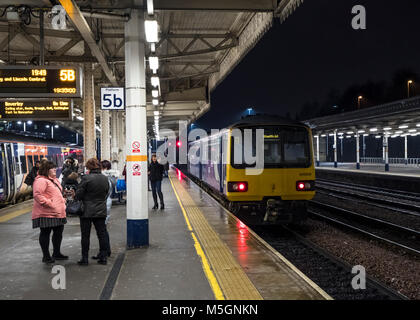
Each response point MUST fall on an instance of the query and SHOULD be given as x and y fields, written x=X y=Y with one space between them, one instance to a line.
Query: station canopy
x=200 y=42
x=397 y=118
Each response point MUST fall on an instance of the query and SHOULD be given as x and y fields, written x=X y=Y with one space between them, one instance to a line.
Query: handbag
x=74 y=208
x=121 y=185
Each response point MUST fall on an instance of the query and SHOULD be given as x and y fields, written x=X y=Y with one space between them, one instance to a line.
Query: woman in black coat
x=93 y=191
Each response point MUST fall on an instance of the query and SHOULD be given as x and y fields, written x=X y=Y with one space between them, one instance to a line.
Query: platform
x=396 y=170
x=197 y=251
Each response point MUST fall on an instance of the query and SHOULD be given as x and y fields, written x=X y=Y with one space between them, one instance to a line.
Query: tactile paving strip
x=233 y=281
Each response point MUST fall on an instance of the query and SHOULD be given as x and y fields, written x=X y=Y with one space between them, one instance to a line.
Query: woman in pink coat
x=49 y=211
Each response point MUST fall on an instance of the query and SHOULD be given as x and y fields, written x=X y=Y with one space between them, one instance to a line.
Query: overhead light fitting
x=155 y=93
x=151 y=29
x=155 y=81
x=154 y=63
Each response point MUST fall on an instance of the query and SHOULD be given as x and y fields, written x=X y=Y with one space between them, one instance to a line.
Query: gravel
x=389 y=265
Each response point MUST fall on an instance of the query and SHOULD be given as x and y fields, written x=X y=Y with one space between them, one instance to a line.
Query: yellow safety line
x=136 y=158
x=205 y=264
x=14 y=214
x=282 y=258
x=233 y=280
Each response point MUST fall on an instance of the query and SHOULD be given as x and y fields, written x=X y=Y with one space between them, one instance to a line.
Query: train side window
x=36 y=158
x=23 y=164
x=17 y=166
x=30 y=163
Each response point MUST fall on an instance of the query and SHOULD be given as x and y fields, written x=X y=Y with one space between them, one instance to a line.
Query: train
x=280 y=193
x=18 y=155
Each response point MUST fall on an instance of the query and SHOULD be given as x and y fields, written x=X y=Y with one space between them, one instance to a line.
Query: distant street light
x=249 y=111
x=359 y=98
x=408 y=87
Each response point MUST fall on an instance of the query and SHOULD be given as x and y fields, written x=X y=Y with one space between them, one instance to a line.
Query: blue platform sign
x=112 y=98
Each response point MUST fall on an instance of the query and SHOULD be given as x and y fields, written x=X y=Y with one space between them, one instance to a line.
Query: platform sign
x=112 y=98
x=36 y=109
x=40 y=82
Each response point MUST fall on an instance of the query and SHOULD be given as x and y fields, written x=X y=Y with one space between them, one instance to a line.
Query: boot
x=102 y=261
x=155 y=206
x=162 y=206
x=83 y=262
x=60 y=256
x=48 y=260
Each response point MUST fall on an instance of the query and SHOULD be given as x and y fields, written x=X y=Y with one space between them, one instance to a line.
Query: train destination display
x=39 y=109
x=40 y=82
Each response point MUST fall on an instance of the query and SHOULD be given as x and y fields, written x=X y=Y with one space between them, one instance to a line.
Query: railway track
x=404 y=202
x=396 y=235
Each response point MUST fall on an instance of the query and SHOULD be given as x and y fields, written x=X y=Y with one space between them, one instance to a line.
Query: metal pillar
x=105 y=136
x=357 y=151
x=77 y=138
x=41 y=38
x=114 y=140
x=405 y=150
x=317 y=150
x=121 y=141
x=363 y=146
x=89 y=130
x=136 y=132
x=385 y=148
x=335 y=149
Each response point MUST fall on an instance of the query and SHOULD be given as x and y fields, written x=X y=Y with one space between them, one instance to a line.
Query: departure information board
x=40 y=82
x=36 y=109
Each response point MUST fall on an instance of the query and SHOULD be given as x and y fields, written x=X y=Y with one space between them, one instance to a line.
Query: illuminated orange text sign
x=40 y=82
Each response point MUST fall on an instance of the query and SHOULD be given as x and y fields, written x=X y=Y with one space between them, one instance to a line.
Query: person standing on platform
x=93 y=190
x=30 y=178
x=155 y=173
x=49 y=211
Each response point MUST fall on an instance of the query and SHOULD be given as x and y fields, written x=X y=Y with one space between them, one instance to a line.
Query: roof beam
x=226 y=5
x=70 y=44
x=82 y=26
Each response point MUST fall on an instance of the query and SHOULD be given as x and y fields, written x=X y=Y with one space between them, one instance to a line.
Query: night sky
x=316 y=50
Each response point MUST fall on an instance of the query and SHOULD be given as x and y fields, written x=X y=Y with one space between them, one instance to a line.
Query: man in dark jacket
x=30 y=178
x=68 y=168
x=93 y=191
x=155 y=175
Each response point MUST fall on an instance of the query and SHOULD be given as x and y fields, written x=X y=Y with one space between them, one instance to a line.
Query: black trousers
x=44 y=240
x=156 y=187
x=101 y=232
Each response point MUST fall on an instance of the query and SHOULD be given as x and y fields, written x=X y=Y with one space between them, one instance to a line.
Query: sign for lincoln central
x=40 y=82
x=39 y=109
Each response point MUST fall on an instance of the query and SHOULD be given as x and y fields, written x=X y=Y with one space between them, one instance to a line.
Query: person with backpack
x=155 y=173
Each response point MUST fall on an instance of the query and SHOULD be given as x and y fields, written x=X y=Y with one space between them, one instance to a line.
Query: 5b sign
x=112 y=99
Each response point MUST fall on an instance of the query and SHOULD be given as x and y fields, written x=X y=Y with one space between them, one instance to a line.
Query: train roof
x=9 y=136
x=266 y=119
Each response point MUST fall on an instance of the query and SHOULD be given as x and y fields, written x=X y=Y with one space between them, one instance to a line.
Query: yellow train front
x=278 y=192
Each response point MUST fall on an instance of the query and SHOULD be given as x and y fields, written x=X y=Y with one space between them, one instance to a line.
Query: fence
x=395 y=161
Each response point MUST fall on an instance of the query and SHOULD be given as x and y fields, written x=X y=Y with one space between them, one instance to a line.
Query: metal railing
x=396 y=161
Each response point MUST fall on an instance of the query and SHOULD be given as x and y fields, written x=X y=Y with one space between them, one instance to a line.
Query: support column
x=364 y=146
x=357 y=151
x=405 y=150
x=121 y=141
x=89 y=130
x=317 y=150
x=385 y=147
x=114 y=140
x=105 y=136
x=136 y=132
x=335 y=149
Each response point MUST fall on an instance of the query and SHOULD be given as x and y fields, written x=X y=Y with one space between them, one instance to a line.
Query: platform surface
x=197 y=251
x=397 y=170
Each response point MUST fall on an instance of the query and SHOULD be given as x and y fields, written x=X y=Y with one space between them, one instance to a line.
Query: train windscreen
x=284 y=147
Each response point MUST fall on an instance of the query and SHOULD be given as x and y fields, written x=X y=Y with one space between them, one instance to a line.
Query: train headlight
x=238 y=186
x=308 y=185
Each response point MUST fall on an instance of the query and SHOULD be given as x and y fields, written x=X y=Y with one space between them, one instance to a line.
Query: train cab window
x=23 y=164
x=296 y=147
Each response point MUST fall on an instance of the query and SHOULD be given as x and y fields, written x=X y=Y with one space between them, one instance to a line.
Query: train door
x=3 y=192
x=10 y=170
x=4 y=172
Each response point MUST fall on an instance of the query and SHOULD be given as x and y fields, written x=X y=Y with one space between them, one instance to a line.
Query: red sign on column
x=136 y=169
x=136 y=147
